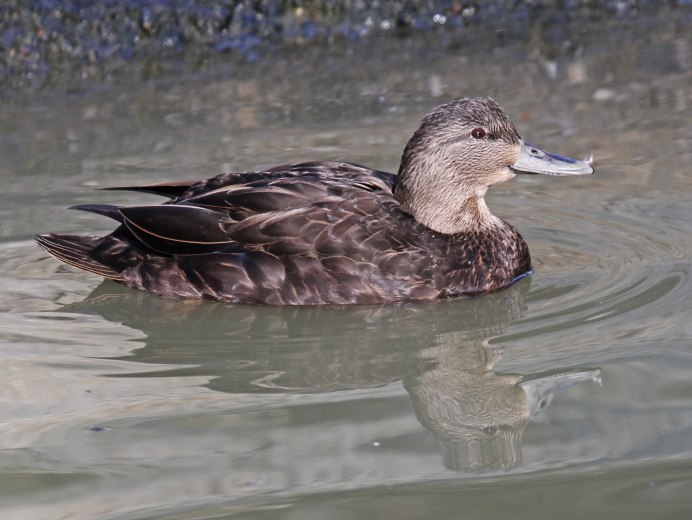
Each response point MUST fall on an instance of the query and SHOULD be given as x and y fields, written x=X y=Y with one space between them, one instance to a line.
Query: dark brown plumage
x=326 y=232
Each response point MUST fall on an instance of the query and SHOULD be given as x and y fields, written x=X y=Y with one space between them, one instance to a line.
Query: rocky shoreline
x=60 y=42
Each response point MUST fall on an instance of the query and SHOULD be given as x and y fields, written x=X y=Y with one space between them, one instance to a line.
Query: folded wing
x=308 y=208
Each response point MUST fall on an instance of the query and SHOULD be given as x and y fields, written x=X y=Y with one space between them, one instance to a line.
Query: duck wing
x=182 y=189
x=170 y=189
x=314 y=212
x=324 y=170
x=301 y=234
x=178 y=229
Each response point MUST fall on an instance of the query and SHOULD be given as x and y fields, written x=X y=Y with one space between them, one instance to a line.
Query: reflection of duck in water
x=329 y=232
x=267 y=349
x=478 y=415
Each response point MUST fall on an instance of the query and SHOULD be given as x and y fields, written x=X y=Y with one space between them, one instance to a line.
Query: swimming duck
x=332 y=232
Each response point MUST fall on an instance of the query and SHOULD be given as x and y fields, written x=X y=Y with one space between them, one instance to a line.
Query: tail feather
x=74 y=250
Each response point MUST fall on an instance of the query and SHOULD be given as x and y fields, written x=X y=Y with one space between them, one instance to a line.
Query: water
x=568 y=394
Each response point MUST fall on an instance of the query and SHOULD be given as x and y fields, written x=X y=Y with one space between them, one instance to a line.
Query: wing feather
x=306 y=208
x=180 y=223
x=170 y=189
x=303 y=233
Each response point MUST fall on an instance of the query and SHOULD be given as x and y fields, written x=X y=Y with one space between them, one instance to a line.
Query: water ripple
x=607 y=260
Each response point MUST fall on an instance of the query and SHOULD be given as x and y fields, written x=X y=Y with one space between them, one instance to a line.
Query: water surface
x=567 y=395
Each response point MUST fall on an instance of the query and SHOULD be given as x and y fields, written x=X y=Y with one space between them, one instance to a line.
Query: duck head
x=460 y=149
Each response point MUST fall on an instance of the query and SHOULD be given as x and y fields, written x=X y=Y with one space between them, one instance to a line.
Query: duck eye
x=478 y=133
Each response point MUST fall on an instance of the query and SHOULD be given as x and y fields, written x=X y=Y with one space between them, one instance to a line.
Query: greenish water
x=567 y=395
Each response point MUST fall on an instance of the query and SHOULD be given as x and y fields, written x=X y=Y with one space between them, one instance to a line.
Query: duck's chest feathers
x=482 y=261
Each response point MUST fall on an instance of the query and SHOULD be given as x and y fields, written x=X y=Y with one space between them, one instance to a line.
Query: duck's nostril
x=534 y=151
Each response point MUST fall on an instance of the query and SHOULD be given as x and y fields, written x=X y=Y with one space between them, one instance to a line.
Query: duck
x=332 y=233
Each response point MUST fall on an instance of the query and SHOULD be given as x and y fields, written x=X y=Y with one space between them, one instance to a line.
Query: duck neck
x=445 y=210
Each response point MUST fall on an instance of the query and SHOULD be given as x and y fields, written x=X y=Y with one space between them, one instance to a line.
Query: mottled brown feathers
x=318 y=232
x=444 y=168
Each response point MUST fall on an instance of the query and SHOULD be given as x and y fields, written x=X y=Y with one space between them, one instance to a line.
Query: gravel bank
x=57 y=41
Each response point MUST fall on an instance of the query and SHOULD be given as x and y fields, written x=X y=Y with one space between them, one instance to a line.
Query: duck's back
x=308 y=233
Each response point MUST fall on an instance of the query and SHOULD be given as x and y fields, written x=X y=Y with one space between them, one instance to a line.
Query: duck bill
x=539 y=389
x=534 y=160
